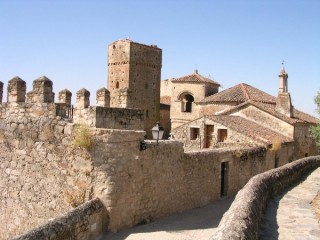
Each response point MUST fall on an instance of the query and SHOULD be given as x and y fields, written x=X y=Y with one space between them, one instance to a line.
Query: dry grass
x=83 y=137
x=74 y=197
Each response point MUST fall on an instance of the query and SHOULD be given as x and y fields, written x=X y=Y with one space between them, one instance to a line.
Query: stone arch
x=186 y=99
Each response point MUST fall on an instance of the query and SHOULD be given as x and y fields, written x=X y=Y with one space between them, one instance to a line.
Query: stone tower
x=284 y=104
x=134 y=74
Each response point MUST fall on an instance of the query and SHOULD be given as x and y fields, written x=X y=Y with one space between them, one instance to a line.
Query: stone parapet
x=87 y=221
x=83 y=98
x=65 y=97
x=42 y=91
x=103 y=97
x=112 y=118
x=16 y=90
x=243 y=219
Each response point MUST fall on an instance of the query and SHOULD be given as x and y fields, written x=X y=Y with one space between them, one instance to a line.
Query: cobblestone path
x=193 y=224
x=290 y=216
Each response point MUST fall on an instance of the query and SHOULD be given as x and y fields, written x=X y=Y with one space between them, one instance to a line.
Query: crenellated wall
x=40 y=102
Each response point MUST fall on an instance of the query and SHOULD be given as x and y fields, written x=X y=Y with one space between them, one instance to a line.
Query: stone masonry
x=134 y=74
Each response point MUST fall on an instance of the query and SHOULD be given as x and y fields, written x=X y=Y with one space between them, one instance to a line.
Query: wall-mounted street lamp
x=157 y=132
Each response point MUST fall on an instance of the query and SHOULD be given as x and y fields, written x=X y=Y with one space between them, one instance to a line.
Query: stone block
x=83 y=98
x=103 y=97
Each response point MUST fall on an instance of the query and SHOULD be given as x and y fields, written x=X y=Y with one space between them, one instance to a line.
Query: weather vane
x=282 y=63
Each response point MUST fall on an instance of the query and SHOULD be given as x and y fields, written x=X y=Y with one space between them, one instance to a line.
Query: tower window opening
x=186 y=103
x=117 y=84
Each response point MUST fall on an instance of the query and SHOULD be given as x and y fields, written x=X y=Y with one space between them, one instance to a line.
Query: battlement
x=40 y=103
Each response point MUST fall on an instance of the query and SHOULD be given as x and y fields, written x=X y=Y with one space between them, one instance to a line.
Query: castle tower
x=134 y=75
x=283 y=104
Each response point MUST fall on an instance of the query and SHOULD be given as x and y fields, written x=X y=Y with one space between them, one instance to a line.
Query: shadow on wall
x=88 y=221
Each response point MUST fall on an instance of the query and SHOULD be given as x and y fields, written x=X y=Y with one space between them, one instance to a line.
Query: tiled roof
x=195 y=78
x=240 y=93
x=298 y=116
x=165 y=100
x=249 y=128
x=304 y=117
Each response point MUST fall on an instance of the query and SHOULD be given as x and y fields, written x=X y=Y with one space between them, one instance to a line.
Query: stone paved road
x=193 y=224
x=290 y=216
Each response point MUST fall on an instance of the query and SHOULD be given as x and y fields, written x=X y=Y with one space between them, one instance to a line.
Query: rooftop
x=250 y=129
x=240 y=93
x=195 y=78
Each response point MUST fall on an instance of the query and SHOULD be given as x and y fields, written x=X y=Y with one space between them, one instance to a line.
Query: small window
x=117 y=84
x=194 y=133
x=114 y=46
x=306 y=154
x=147 y=113
x=222 y=135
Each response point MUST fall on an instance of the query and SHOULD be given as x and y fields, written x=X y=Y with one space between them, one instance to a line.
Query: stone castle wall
x=44 y=172
x=138 y=186
x=85 y=222
x=112 y=118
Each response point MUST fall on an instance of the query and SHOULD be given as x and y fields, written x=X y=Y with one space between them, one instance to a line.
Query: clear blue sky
x=233 y=41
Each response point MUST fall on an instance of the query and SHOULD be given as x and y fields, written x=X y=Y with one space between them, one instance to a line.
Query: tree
x=315 y=130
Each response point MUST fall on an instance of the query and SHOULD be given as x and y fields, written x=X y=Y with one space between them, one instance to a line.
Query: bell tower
x=283 y=104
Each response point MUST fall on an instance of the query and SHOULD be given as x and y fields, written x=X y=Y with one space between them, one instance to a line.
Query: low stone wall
x=242 y=220
x=110 y=118
x=87 y=221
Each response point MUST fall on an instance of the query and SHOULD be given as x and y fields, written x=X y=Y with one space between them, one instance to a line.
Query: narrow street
x=193 y=224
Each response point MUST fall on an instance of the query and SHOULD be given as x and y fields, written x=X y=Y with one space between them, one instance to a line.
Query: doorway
x=224 y=179
x=208 y=135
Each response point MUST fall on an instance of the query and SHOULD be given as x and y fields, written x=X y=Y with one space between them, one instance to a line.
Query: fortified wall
x=45 y=172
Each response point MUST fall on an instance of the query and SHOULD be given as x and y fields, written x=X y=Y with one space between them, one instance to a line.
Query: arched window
x=186 y=102
x=117 y=84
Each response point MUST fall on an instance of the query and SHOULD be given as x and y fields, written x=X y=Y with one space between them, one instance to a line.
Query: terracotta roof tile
x=165 y=100
x=298 y=116
x=249 y=128
x=195 y=78
x=240 y=93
